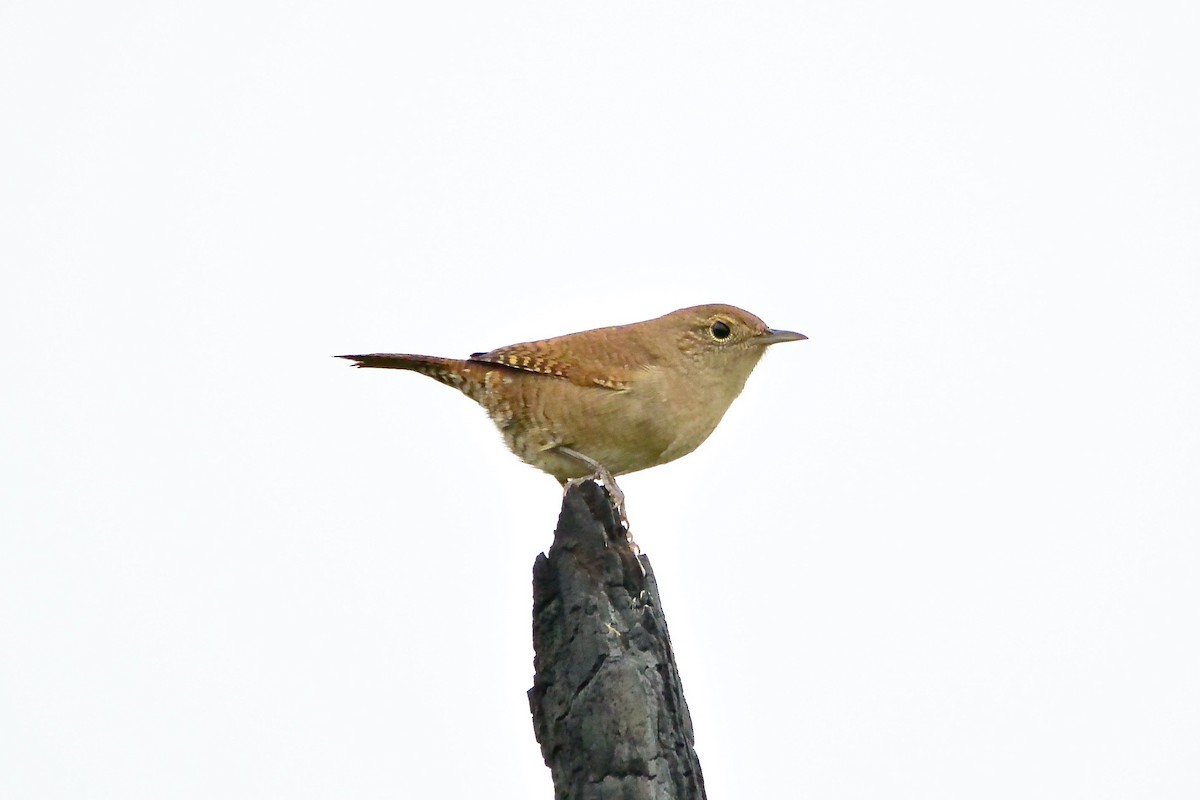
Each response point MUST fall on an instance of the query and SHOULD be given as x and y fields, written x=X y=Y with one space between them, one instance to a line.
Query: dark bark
x=608 y=708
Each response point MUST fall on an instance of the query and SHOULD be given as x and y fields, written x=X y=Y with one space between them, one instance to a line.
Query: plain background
x=946 y=548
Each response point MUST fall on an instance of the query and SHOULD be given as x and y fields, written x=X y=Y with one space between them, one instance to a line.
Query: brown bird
x=609 y=401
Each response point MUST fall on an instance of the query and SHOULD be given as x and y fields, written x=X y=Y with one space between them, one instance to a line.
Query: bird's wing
x=562 y=359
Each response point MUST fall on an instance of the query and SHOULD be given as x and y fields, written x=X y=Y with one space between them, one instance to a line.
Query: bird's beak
x=775 y=337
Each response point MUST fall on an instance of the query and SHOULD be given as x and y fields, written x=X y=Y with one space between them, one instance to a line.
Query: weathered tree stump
x=608 y=708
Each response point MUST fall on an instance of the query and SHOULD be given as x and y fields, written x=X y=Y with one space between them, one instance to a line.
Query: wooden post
x=608 y=708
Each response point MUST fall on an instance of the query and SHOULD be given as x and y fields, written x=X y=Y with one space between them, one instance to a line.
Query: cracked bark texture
x=608 y=707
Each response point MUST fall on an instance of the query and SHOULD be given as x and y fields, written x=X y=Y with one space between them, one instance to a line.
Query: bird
x=609 y=401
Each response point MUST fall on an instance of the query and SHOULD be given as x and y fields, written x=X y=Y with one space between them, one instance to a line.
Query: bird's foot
x=605 y=479
x=616 y=499
x=602 y=476
x=615 y=495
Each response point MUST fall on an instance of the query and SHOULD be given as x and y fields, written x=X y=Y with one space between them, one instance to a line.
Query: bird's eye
x=720 y=330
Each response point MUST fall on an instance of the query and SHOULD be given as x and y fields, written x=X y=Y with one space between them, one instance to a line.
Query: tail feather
x=446 y=370
x=392 y=360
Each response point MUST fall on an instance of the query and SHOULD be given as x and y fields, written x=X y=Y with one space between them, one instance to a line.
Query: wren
x=609 y=401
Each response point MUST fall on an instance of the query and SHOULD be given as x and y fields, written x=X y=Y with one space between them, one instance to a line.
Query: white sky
x=947 y=548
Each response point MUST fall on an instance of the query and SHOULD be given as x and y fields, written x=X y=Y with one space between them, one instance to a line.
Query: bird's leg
x=605 y=479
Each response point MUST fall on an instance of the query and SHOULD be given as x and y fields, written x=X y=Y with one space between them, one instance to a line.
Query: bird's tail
x=447 y=370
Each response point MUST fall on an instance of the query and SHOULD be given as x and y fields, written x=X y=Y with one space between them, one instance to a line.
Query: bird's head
x=723 y=334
